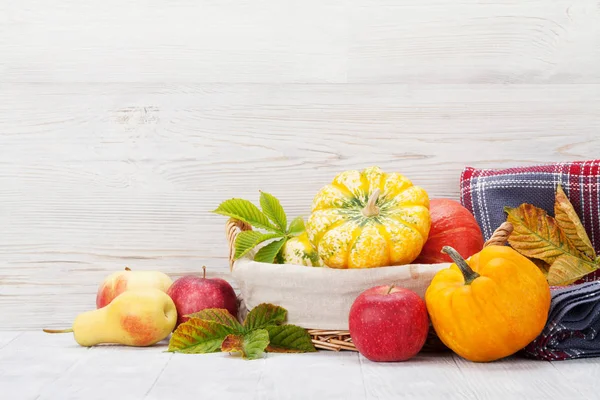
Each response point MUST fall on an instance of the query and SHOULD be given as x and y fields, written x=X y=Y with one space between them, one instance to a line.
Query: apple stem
x=393 y=285
x=127 y=269
x=460 y=262
x=204 y=272
x=58 y=330
x=371 y=209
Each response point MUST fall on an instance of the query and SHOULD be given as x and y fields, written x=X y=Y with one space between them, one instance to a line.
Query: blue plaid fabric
x=572 y=327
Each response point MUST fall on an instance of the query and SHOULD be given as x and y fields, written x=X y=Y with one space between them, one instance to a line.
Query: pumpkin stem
x=371 y=209
x=460 y=262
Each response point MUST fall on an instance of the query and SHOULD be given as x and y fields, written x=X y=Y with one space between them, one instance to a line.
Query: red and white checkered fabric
x=485 y=192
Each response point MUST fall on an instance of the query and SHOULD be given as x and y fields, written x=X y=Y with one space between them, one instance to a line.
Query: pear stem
x=371 y=209
x=204 y=272
x=58 y=330
x=393 y=285
x=468 y=274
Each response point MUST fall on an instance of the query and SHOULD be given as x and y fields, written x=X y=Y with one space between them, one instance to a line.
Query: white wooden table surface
x=34 y=365
x=124 y=122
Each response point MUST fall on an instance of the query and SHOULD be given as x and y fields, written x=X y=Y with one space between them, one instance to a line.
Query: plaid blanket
x=573 y=325
x=485 y=192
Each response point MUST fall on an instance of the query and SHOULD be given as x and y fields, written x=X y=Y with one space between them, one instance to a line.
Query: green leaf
x=196 y=336
x=247 y=240
x=568 y=269
x=569 y=222
x=251 y=345
x=289 y=339
x=245 y=211
x=264 y=315
x=297 y=226
x=272 y=208
x=268 y=253
x=537 y=235
x=219 y=315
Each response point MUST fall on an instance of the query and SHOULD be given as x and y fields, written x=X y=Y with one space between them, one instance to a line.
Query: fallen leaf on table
x=289 y=339
x=250 y=345
x=197 y=336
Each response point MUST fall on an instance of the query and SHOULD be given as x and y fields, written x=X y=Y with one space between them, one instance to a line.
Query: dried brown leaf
x=569 y=222
x=537 y=235
x=568 y=269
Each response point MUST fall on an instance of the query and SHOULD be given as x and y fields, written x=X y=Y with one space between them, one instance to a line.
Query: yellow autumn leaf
x=568 y=269
x=537 y=235
x=569 y=222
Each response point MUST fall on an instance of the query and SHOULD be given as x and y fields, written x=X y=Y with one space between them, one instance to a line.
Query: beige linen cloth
x=320 y=298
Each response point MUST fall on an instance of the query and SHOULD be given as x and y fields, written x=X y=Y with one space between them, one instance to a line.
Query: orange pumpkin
x=490 y=306
x=451 y=225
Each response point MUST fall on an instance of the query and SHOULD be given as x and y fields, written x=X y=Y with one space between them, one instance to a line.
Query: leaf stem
x=58 y=330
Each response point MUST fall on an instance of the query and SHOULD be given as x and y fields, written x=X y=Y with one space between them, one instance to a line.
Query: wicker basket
x=334 y=339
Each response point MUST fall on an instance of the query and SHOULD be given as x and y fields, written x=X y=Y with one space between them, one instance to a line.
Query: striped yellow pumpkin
x=299 y=251
x=368 y=219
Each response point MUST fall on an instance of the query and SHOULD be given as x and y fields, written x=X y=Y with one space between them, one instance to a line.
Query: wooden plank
x=316 y=41
x=53 y=367
x=174 y=41
x=6 y=337
x=578 y=373
x=111 y=372
x=208 y=376
x=34 y=361
x=471 y=41
x=518 y=378
x=322 y=375
x=96 y=177
x=427 y=376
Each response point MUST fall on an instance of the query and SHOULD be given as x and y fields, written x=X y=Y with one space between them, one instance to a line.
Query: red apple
x=388 y=323
x=451 y=225
x=192 y=294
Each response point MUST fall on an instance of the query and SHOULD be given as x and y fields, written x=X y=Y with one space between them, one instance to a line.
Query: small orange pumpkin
x=491 y=305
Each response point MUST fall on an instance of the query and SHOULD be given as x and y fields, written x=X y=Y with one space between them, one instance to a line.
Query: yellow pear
x=119 y=282
x=134 y=318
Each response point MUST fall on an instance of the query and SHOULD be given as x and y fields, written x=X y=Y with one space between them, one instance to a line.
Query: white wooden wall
x=124 y=122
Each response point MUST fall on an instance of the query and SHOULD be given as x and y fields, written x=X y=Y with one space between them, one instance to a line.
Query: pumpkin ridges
x=395 y=184
x=408 y=225
x=400 y=251
x=335 y=245
x=375 y=250
x=384 y=232
x=512 y=292
x=375 y=179
x=352 y=181
x=321 y=221
x=332 y=196
x=349 y=193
